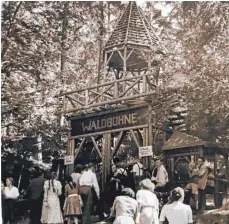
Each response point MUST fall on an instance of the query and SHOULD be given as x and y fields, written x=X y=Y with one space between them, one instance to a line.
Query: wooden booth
x=178 y=151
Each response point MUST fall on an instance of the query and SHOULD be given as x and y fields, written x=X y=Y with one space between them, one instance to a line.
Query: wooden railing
x=108 y=93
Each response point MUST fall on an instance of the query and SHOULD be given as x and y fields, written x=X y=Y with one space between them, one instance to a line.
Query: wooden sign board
x=109 y=121
x=68 y=160
x=145 y=151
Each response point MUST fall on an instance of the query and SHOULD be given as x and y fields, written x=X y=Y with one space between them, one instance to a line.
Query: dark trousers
x=35 y=210
x=202 y=199
x=9 y=210
x=86 y=195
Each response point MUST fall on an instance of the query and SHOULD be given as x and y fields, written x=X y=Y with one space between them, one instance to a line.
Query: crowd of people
x=131 y=195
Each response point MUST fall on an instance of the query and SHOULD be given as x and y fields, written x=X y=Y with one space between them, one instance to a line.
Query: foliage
x=49 y=47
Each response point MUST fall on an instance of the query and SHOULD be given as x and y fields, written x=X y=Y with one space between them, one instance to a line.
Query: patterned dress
x=73 y=204
x=51 y=212
x=125 y=210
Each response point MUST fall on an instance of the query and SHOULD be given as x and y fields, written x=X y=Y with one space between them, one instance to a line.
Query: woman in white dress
x=175 y=211
x=51 y=212
x=125 y=207
x=148 y=205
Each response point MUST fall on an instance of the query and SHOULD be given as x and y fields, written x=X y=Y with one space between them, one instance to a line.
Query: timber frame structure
x=120 y=105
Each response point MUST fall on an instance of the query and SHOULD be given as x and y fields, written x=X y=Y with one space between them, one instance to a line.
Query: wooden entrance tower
x=121 y=104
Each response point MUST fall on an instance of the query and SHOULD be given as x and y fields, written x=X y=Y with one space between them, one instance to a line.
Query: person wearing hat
x=148 y=204
x=76 y=174
x=125 y=207
x=87 y=181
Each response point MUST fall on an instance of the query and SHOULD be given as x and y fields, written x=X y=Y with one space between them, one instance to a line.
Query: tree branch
x=6 y=42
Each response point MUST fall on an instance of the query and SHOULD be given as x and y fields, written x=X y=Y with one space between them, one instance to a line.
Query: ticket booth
x=178 y=151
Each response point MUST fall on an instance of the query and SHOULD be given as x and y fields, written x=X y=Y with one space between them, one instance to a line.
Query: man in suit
x=36 y=197
x=202 y=172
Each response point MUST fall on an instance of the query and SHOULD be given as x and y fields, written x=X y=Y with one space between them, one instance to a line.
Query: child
x=73 y=202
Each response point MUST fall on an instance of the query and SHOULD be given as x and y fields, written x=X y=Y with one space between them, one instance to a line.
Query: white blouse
x=174 y=210
x=147 y=198
x=11 y=193
x=147 y=204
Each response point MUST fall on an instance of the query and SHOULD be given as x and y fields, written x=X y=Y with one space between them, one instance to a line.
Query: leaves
x=194 y=74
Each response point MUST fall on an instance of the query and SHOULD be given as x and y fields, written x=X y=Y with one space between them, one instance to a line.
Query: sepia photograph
x=114 y=112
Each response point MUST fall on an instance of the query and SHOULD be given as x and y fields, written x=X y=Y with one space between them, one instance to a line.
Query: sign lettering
x=109 y=121
x=145 y=151
x=68 y=160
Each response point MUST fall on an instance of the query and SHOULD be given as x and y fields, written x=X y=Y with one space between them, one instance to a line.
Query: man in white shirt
x=86 y=182
x=159 y=175
x=137 y=173
x=76 y=175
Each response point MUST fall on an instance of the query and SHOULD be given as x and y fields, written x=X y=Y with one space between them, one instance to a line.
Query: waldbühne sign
x=109 y=121
x=145 y=151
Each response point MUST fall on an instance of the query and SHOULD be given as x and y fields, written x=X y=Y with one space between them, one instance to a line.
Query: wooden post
x=172 y=169
x=87 y=96
x=106 y=159
x=124 y=62
x=145 y=143
x=70 y=149
x=115 y=90
x=216 y=193
x=150 y=133
x=227 y=165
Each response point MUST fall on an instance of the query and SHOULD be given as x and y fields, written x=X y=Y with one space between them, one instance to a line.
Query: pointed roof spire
x=133 y=29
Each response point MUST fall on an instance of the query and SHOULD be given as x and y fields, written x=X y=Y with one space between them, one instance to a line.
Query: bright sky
x=165 y=9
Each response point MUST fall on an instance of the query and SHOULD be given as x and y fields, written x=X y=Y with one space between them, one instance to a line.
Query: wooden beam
x=71 y=101
x=106 y=159
x=130 y=87
x=129 y=54
x=81 y=145
x=135 y=138
x=106 y=102
x=104 y=84
x=118 y=143
x=96 y=147
x=136 y=91
x=120 y=54
x=140 y=137
x=109 y=57
x=110 y=131
x=101 y=94
x=152 y=86
x=87 y=96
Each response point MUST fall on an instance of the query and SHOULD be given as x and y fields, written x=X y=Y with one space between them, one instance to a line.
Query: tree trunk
x=63 y=57
x=101 y=29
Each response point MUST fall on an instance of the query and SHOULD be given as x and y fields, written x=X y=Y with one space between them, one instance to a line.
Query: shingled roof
x=133 y=29
x=182 y=140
